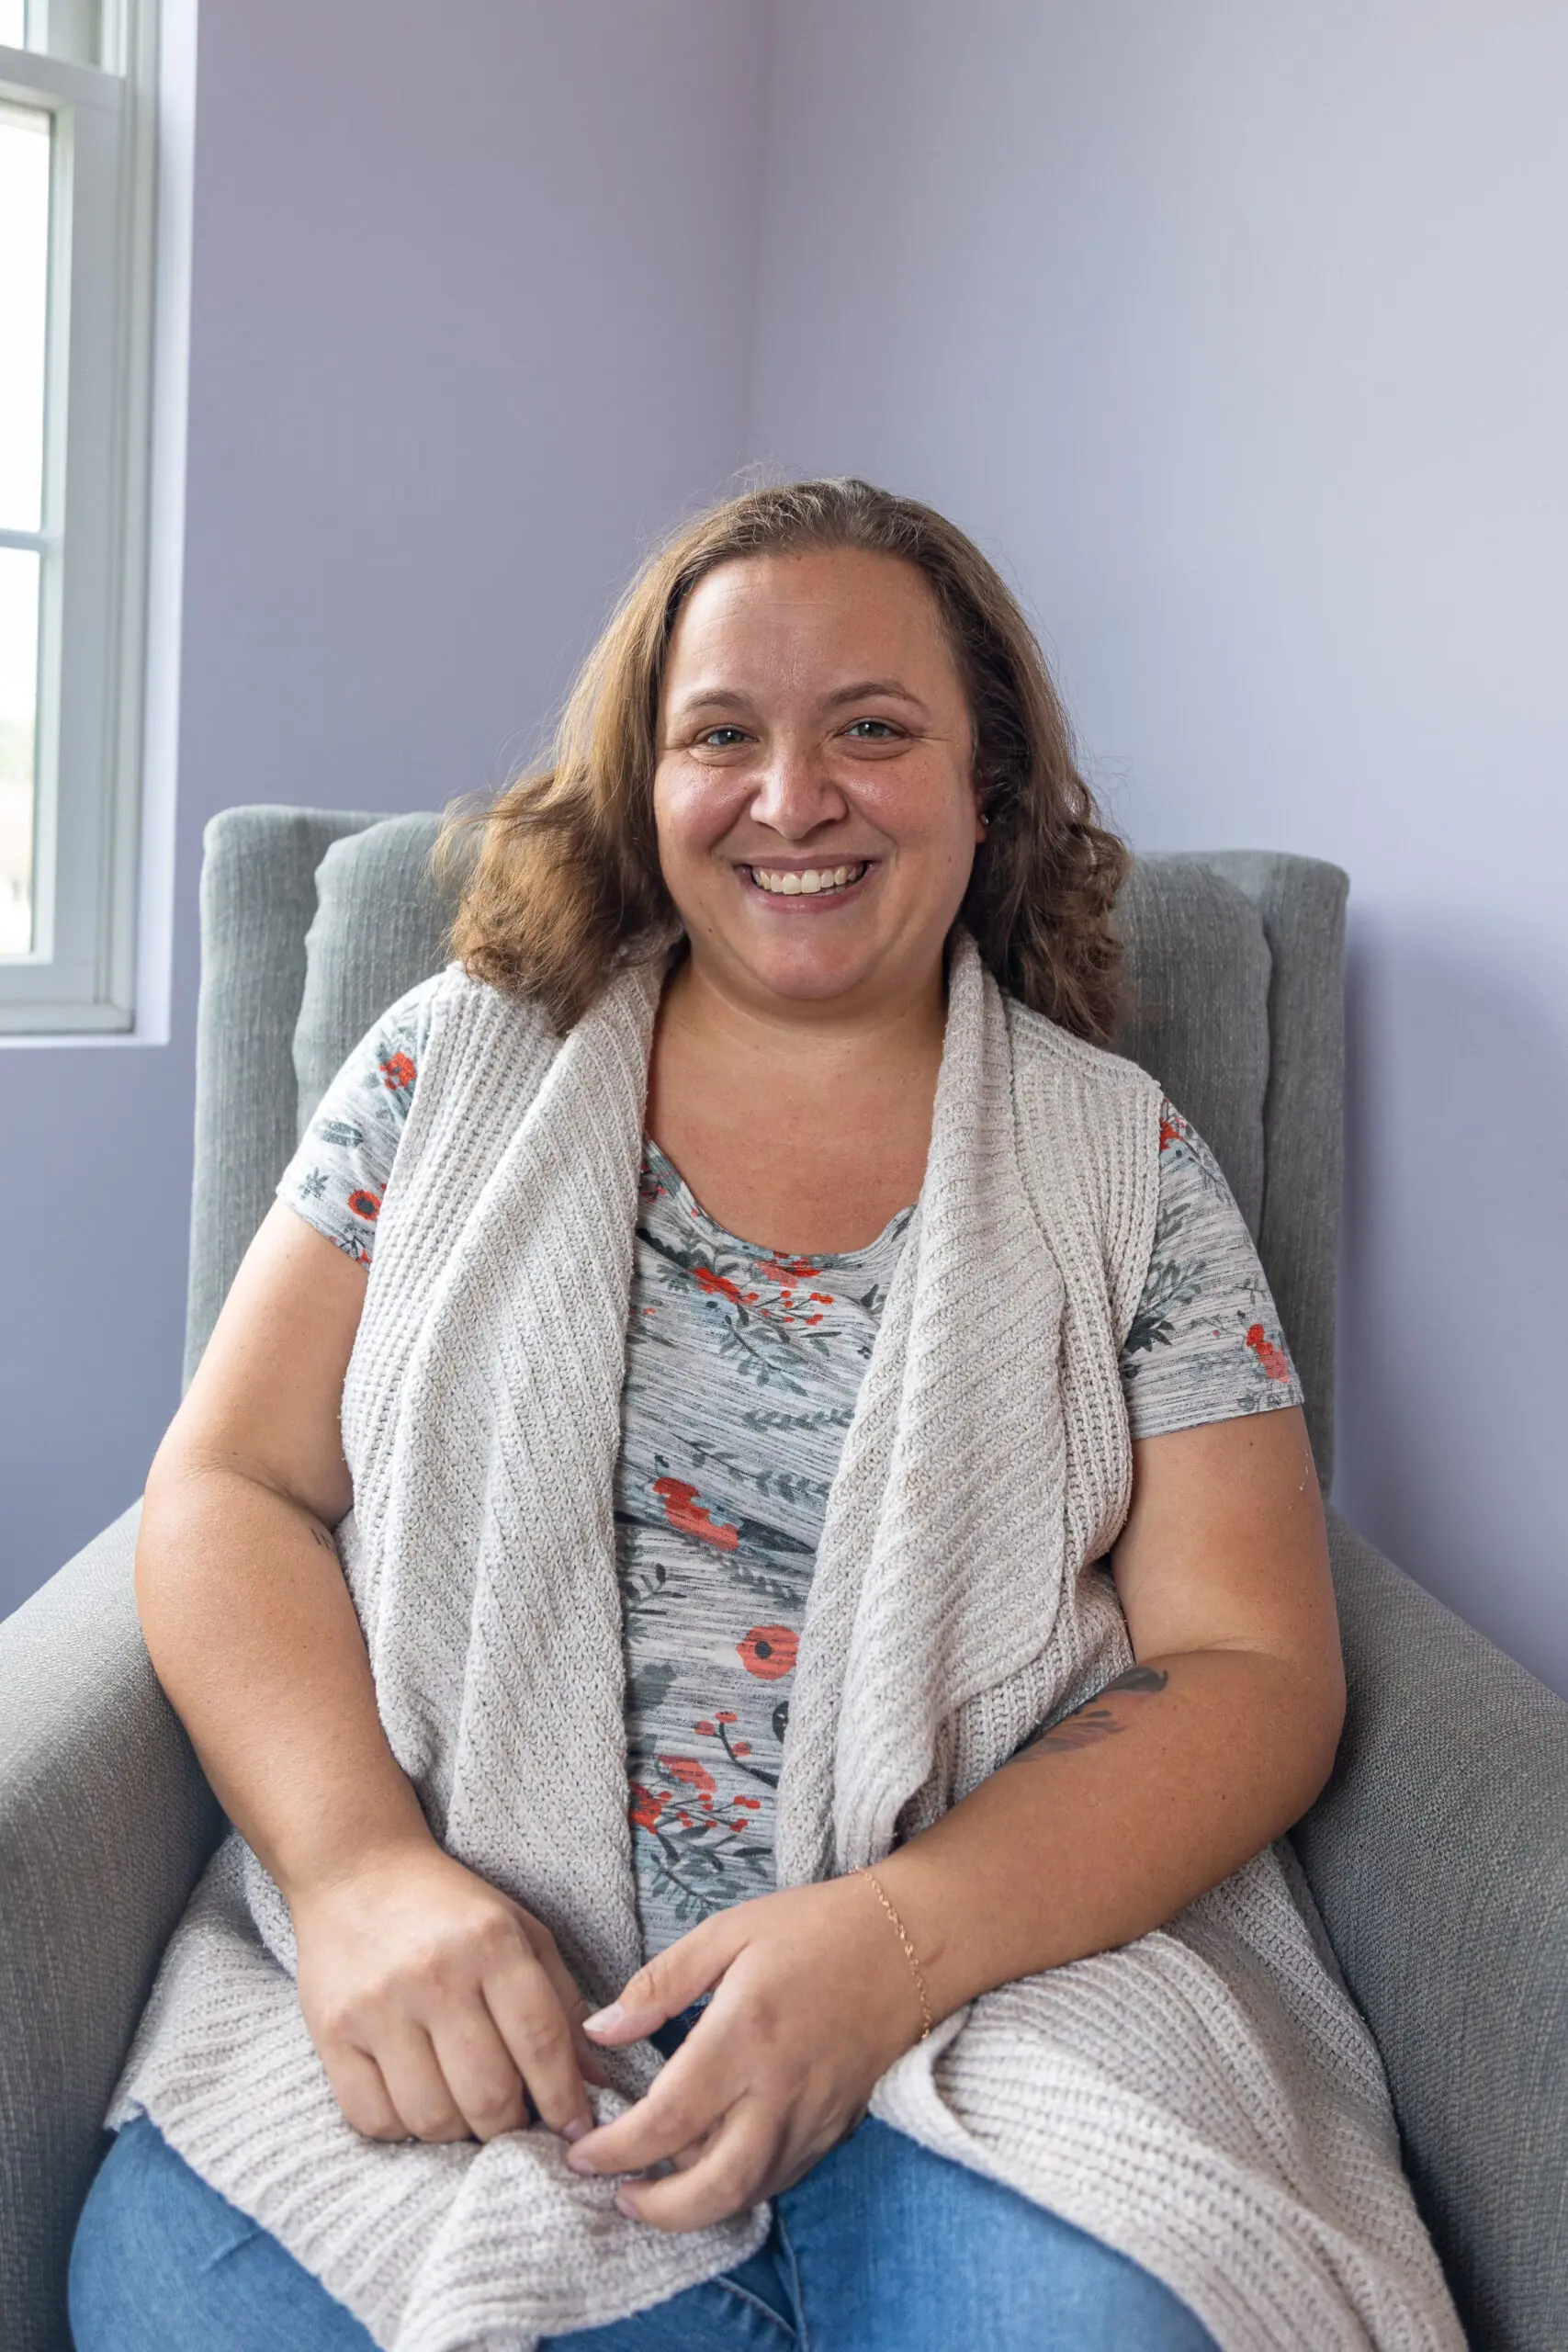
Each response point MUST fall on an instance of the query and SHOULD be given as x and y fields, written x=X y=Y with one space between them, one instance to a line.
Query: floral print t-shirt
x=743 y=1372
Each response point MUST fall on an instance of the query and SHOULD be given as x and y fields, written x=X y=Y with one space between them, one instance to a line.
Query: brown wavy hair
x=567 y=878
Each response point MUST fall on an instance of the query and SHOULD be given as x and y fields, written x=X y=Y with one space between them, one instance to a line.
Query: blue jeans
x=883 y=2247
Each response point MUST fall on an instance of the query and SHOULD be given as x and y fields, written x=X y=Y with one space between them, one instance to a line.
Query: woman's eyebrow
x=865 y=689
x=860 y=690
x=712 y=698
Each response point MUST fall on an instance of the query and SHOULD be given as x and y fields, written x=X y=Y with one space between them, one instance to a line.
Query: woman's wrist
x=333 y=1855
x=912 y=1884
x=911 y=1957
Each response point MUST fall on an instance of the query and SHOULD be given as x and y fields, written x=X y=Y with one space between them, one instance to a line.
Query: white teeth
x=816 y=880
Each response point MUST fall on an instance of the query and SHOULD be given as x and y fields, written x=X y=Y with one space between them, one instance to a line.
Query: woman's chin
x=812 y=971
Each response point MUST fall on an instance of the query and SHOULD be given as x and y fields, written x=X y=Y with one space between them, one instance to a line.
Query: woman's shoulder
x=405 y=1024
x=1043 y=1049
x=457 y=1007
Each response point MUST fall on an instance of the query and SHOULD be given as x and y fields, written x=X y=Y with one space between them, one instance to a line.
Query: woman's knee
x=162 y=2263
x=899 y=2250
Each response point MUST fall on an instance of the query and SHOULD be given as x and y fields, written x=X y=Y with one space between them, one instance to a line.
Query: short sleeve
x=336 y=1179
x=1205 y=1343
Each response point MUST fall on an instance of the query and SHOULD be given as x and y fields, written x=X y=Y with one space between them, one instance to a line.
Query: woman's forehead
x=834 y=618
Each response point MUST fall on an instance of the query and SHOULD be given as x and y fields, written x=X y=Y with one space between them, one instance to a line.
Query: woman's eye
x=722 y=738
x=871 y=731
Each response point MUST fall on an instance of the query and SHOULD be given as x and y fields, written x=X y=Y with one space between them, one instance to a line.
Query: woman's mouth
x=806 y=882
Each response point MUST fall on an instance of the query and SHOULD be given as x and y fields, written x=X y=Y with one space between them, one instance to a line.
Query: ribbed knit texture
x=1206 y=2100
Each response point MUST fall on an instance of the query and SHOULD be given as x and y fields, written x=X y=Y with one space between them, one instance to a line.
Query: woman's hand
x=813 y=2000
x=439 y=2008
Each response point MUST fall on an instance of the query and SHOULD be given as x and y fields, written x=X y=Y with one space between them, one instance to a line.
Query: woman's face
x=816 y=816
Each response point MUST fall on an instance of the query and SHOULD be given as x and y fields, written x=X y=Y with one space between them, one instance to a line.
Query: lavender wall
x=1238 y=332
x=1235 y=331
x=471 y=316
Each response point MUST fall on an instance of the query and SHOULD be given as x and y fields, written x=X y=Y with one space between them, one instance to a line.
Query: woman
x=834 y=1606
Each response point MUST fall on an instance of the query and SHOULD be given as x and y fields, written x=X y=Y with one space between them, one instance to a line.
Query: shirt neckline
x=665 y=1168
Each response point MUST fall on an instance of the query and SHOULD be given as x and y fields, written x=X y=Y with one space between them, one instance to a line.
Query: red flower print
x=684 y=1512
x=724 y=1715
x=1169 y=1128
x=397 y=1072
x=645 y=1807
x=752 y=1803
x=787 y=1270
x=720 y=1286
x=741 y=1747
x=1271 y=1360
x=689 y=1773
x=705 y=1727
x=769 y=1651
x=365 y=1204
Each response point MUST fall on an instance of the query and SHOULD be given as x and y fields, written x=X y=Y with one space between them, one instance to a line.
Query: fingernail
x=576 y=2162
x=577 y=2128
x=603 y=2020
x=624 y=2205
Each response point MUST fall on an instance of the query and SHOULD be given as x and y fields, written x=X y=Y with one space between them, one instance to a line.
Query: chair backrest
x=314 y=921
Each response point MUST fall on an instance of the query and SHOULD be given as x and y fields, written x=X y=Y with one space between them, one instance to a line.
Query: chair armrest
x=105 y=1822
x=1438 y=1858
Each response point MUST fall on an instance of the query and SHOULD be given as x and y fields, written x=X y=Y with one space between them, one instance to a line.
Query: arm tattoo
x=1100 y=1717
x=319 y=1535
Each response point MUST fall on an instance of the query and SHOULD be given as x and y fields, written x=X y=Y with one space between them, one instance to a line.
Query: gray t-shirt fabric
x=742 y=1372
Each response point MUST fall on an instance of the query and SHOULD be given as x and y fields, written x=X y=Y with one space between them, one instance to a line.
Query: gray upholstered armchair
x=1439 y=1856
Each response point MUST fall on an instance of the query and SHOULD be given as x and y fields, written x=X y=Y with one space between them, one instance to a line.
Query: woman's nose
x=795 y=791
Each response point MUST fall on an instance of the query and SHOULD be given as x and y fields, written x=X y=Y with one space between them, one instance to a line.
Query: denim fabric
x=883 y=2247
x=162 y=2263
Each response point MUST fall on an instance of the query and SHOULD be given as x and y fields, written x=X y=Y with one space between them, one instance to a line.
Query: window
x=77 y=85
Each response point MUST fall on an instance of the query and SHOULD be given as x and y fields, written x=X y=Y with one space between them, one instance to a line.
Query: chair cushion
x=1198 y=966
x=258 y=894
x=380 y=927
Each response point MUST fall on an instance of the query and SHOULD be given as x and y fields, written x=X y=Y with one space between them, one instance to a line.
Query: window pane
x=18 y=734
x=24 y=311
x=14 y=24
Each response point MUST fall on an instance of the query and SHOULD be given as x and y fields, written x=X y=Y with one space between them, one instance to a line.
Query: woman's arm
x=431 y=1997
x=1098 y=1831
x=1219 y=1738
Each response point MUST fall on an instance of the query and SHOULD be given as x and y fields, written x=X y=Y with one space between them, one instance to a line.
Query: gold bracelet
x=908 y=1953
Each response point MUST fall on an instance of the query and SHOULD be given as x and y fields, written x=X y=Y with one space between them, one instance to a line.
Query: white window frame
x=80 y=975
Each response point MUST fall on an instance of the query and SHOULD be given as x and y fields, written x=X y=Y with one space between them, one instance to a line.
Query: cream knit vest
x=1206 y=2099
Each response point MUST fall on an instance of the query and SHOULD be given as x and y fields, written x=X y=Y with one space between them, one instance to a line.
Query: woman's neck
x=870 y=1041
x=804 y=1128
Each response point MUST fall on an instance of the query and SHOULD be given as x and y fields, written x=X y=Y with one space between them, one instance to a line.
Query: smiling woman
x=571 y=870
x=724 y=1800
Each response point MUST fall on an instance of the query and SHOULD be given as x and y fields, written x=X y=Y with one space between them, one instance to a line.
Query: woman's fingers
x=439 y=2006
x=670 y=1982
x=732 y=2172
x=479 y=2070
x=573 y=2006
x=533 y=2025
x=686 y=2102
x=419 y=2091
x=360 y=2088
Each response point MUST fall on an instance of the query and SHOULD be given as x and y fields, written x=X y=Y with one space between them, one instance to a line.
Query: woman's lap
x=883 y=2247
x=163 y=2264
